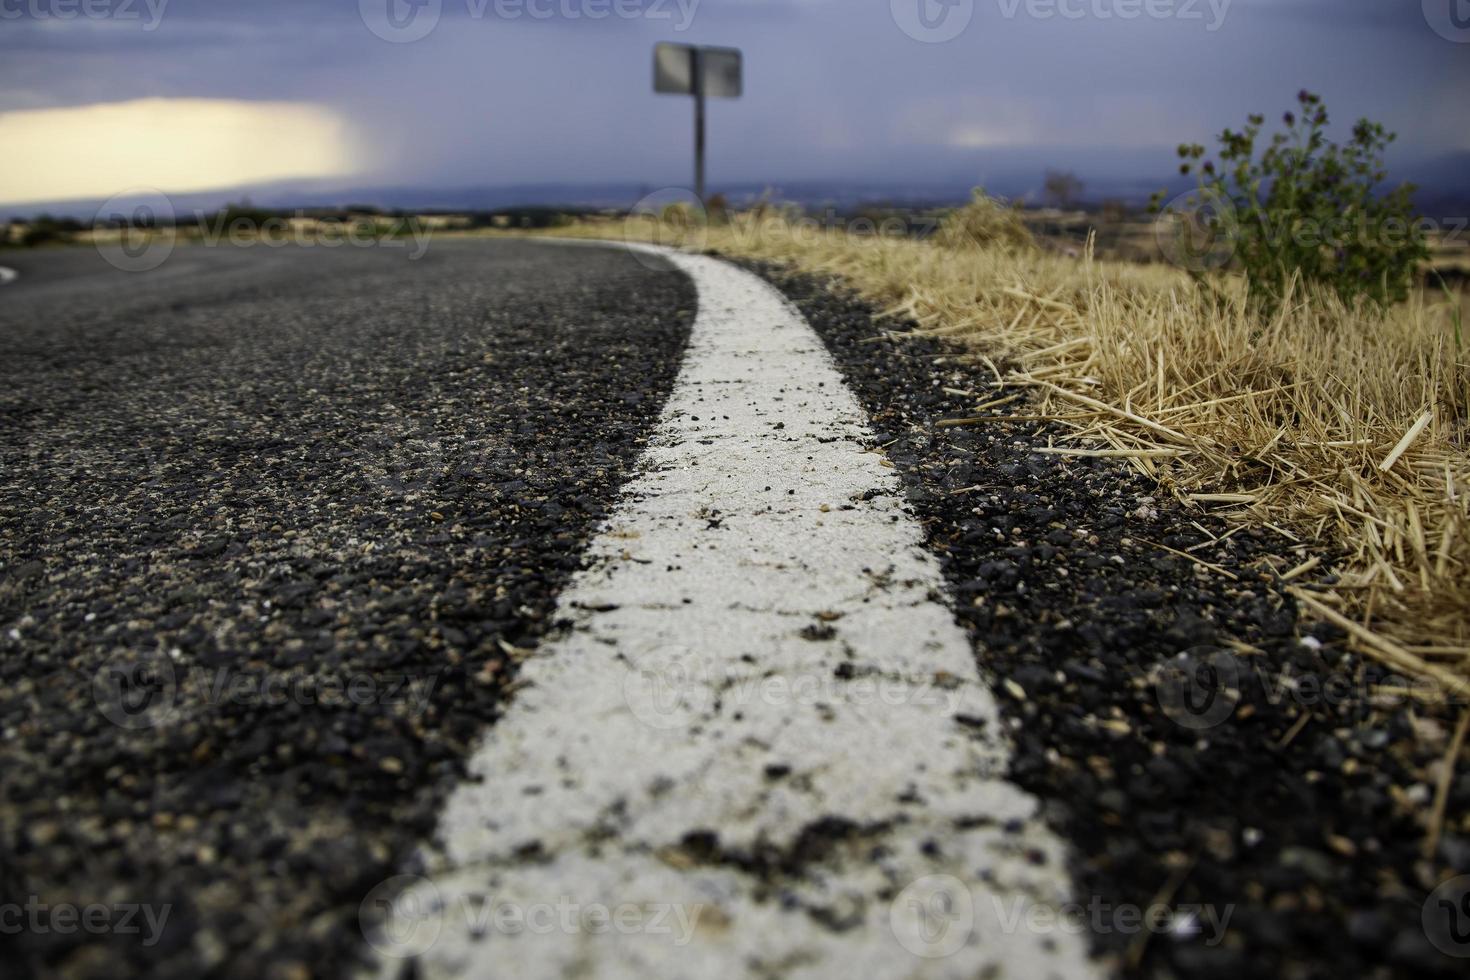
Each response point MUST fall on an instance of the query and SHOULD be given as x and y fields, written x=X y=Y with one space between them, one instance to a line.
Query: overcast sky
x=532 y=91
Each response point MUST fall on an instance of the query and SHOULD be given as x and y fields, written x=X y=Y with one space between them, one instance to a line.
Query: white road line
x=8 y=276
x=760 y=651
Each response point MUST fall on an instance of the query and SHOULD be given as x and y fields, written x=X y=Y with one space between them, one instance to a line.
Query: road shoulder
x=1296 y=799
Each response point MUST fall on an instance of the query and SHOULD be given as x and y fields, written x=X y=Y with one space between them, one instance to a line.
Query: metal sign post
x=684 y=69
x=698 y=77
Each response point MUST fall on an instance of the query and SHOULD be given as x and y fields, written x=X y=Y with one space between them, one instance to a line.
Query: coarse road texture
x=1277 y=813
x=315 y=501
x=763 y=737
x=283 y=534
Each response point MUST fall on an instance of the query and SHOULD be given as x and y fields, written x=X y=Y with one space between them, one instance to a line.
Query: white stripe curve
x=763 y=748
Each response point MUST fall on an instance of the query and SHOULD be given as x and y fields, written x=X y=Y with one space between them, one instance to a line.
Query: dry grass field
x=1343 y=429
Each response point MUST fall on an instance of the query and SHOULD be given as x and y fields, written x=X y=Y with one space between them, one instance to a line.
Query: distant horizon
x=1436 y=194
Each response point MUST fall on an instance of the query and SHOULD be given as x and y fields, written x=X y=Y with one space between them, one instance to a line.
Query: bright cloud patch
x=174 y=145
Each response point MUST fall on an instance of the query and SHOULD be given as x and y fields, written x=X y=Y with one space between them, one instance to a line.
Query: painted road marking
x=8 y=276
x=763 y=748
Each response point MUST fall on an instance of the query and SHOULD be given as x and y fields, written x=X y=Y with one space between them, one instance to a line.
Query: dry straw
x=1342 y=428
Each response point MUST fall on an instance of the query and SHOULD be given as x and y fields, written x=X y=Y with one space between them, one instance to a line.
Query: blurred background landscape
x=478 y=105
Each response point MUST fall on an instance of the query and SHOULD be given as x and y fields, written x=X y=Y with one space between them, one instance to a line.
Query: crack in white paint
x=760 y=655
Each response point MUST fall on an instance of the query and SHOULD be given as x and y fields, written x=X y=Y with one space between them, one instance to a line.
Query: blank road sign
x=673 y=70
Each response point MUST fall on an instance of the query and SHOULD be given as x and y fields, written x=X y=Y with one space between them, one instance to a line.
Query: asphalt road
x=274 y=525
x=761 y=692
x=283 y=532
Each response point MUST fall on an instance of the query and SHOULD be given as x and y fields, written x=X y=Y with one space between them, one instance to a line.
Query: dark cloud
x=835 y=89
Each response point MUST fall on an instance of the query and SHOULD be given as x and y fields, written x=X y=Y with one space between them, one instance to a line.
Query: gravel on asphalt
x=275 y=528
x=1196 y=742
